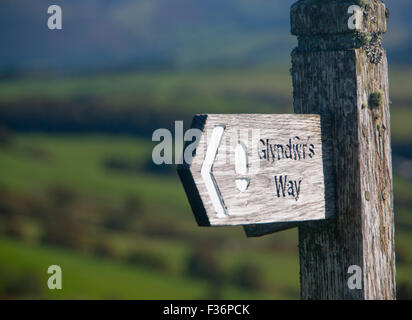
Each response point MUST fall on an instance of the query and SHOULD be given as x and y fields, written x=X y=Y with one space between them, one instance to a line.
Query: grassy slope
x=87 y=277
x=76 y=161
x=68 y=153
x=83 y=276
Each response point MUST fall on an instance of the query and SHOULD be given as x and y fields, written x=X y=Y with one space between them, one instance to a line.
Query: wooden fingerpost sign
x=327 y=169
x=257 y=168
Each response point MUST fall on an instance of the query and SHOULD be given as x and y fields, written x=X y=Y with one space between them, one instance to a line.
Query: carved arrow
x=206 y=171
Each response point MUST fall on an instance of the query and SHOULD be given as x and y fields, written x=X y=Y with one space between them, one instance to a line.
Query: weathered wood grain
x=349 y=90
x=278 y=147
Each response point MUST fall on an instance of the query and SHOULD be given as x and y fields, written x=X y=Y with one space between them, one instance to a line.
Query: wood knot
x=384 y=195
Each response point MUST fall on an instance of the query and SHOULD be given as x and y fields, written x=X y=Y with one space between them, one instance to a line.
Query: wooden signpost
x=257 y=168
x=327 y=170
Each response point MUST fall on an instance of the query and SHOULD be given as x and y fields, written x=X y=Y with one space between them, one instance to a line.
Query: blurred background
x=77 y=111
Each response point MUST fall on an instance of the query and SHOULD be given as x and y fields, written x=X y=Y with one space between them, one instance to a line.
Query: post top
x=327 y=17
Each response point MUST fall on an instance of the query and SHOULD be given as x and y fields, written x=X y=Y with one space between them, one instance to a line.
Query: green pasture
x=77 y=162
x=34 y=162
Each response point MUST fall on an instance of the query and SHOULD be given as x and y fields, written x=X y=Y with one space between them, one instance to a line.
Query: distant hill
x=157 y=33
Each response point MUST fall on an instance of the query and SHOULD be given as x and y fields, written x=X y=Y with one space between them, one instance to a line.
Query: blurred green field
x=36 y=162
x=103 y=279
x=264 y=89
x=194 y=92
x=121 y=227
x=77 y=161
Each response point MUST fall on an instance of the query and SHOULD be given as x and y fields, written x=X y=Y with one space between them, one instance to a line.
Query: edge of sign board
x=189 y=185
x=258 y=230
x=329 y=176
x=193 y=195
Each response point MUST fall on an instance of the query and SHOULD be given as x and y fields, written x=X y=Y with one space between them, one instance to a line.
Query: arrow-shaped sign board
x=256 y=168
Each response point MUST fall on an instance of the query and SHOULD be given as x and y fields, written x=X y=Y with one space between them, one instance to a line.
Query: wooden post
x=339 y=71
